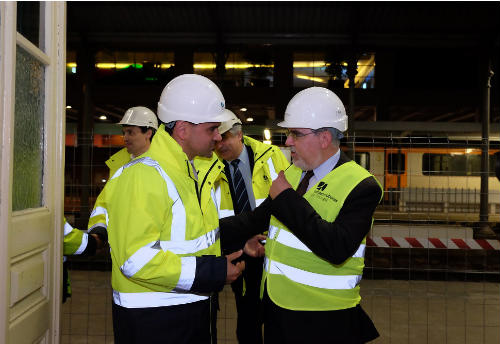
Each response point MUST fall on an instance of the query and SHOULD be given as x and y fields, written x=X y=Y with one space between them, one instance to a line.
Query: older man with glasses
x=321 y=209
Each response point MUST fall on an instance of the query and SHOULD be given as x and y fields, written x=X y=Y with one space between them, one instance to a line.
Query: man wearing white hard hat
x=163 y=226
x=139 y=125
x=250 y=166
x=322 y=209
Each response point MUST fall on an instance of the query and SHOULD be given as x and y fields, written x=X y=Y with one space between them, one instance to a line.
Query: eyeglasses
x=297 y=134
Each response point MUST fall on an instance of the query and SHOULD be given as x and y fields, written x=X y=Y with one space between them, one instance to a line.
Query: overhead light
x=306 y=64
x=267 y=142
x=103 y=180
x=306 y=77
x=267 y=134
x=243 y=109
x=231 y=65
x=68 y=106
x=103 y=117
x=250 y=119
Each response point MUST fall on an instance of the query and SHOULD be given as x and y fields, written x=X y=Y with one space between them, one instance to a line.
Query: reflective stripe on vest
x=154 y=299
x=310 y=278
x=289 y=239
x=296 y=278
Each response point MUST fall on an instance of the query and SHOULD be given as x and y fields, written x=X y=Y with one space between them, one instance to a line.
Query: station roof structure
x=412 y=31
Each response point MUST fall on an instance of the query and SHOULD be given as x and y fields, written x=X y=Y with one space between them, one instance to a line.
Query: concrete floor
x=420 y=312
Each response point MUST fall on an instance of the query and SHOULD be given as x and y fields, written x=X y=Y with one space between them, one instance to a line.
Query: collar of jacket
x=118 y=159
x=211 y=169
x=342 y=159
x=168 y=152
x=260 y=150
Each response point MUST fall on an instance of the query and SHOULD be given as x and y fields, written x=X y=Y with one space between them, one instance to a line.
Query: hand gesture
x=253 y=247
x=279 y=185
x=234 y=270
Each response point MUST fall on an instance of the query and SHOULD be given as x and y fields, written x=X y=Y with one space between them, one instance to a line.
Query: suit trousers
x=180 y=324
x=249 y=305
x=346 y=326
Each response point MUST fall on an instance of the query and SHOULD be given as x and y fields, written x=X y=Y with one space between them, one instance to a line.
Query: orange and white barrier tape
x=460 y=244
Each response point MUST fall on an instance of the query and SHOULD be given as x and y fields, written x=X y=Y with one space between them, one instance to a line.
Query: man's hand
x=279 y=185
x=99 y=242
x=253 y=247
x=234 y=270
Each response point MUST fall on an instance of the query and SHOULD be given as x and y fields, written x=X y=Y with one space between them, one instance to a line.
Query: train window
x=455 y=164
x=362 y=159
x=396 y=163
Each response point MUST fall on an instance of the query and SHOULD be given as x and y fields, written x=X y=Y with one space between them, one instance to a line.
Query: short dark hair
x=145 y=129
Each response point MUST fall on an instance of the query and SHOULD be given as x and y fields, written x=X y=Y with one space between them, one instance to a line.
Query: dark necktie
x=304 y=183
x=240 y=191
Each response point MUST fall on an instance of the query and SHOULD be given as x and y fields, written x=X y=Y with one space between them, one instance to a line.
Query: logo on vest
x=265 y=177
x=321 y=186
x=325 y=197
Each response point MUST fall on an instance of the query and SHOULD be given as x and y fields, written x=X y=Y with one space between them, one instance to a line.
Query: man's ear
x=181 y=130
x=325 y=139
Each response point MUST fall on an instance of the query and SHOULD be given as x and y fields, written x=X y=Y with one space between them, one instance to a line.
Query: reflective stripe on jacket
x=298 y=279
x=99 y=215
x=157 y=226
x=75 y=240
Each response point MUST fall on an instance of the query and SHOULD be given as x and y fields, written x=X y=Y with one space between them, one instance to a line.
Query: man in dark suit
x=320 y=212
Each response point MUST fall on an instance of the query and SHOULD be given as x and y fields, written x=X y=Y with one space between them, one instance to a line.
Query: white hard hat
x=314 y=108
x=227 y=125
x=192 y=98
x=140 y=116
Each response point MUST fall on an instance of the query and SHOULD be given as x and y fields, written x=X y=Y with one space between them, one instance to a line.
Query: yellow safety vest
x=297 y=279
x=156 y=227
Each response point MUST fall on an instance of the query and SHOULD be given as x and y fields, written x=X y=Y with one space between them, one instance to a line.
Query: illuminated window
x=330 y=70
x=242 y=69
x=309 y=69
x=131 y=67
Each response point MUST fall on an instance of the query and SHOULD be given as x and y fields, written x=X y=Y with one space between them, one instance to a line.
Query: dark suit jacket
x=334 y=241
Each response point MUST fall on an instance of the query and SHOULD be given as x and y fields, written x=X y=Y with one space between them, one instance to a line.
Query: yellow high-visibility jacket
x=117 y=160
x=76 y=242
x=268 y=161
x=158 y=224
x=98 y=216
